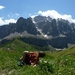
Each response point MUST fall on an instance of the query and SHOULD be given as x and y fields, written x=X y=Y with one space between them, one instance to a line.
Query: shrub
x=46 y=66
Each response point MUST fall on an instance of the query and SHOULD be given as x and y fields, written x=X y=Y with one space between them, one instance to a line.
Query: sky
x=11 y=10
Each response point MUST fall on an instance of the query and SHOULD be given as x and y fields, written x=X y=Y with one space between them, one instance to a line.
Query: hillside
x=32 y=43
x=68 y=51
x=56 y=63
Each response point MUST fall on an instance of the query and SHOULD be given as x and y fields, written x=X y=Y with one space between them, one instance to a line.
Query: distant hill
x=19 y=43
x=66 y=52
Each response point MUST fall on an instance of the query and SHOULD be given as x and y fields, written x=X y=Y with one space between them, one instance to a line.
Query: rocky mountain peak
x=57 y=32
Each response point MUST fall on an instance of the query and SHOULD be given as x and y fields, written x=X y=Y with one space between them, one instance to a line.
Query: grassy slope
x=9 y=58
x=62 y=62
x=68 y=51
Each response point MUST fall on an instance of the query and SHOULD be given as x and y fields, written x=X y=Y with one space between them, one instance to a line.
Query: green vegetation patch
x=54 y=63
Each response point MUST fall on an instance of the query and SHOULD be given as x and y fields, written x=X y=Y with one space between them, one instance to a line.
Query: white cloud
x=54 y=14
x=12 y=19
x=16 y=14
x=3 y=22
x=11 y=15
x=32 y=16
x=1 y=7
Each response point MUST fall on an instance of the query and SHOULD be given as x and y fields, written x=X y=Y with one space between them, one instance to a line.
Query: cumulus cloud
x=12 y=19
x=1 y=7
x=3 y=22
x=54 y=14
x=32 y=16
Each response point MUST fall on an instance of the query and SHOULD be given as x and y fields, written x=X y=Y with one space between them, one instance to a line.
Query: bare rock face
x=56 y=32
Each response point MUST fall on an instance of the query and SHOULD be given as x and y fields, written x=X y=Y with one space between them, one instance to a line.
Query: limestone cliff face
x=56 y=32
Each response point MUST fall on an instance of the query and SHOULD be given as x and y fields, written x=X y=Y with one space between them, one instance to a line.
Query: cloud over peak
x=55 y=15
x=11 y=19
x=3 y=22
x=1 y=7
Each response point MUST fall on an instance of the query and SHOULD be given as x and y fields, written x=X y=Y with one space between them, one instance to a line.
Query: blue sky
x=11 y=10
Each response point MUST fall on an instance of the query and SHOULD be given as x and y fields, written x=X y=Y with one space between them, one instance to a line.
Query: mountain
x=59 y=32
x=22 y=25
x=41 y=30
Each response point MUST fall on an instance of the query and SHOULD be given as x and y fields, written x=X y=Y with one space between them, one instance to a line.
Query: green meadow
x=54 y=63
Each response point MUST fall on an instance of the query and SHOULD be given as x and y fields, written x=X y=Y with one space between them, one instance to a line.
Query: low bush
x=46 y=66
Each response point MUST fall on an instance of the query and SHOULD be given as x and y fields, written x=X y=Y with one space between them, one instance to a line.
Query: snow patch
x=42 y=34
x=61 y=35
